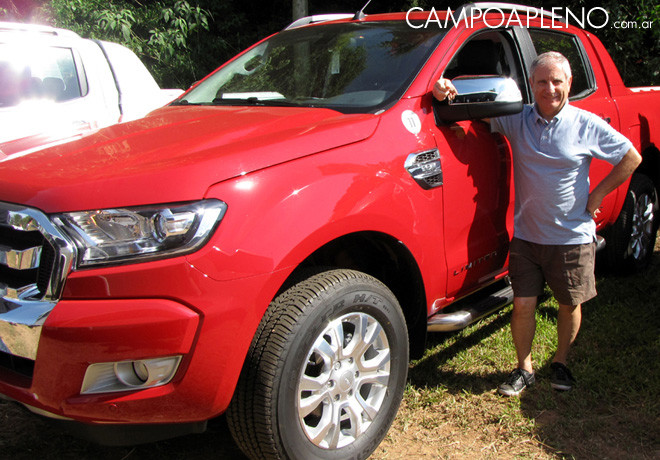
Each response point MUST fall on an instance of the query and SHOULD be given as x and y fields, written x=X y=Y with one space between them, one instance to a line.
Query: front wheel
x=630 y=241
x=325 y=372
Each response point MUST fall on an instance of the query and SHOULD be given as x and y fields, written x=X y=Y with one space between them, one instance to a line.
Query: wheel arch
x=386 y=259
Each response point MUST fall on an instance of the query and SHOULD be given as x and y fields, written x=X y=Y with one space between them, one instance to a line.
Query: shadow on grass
x=614 y=410
x=428 y=370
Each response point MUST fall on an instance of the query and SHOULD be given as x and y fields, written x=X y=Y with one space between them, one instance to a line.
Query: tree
x=635 y=42
x=300 y=9
x=183 y=40
x=631 y=35
x=165 y=35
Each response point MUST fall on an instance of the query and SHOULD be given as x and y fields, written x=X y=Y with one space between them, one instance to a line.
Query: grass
x=451 y=410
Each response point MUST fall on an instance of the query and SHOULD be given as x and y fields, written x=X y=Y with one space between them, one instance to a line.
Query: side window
x=569 y=46
x=36 y=73
x=490 y=53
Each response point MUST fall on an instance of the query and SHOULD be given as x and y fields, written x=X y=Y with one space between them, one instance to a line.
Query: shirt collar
x=539 y=119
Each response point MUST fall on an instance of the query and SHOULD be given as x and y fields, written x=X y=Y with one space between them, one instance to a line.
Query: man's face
x=550 y=88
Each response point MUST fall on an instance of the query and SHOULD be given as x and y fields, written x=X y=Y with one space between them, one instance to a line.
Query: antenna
x=360 y=14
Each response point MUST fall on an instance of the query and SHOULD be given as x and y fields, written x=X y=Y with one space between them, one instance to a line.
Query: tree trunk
x=300 y=9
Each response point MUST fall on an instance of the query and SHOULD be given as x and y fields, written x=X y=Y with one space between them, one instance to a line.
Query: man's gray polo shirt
x=551 y=171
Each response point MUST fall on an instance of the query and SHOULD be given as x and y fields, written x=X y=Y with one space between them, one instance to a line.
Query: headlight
x=112 y=236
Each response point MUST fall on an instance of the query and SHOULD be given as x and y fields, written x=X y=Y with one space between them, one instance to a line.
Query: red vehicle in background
x=277 y=242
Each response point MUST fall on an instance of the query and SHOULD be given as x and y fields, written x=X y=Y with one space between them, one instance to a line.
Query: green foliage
x=160 y=34
x=633 y=45
x=181 y=41
x=117 y=21
x=634 y=48
x=182 y=20
x=77 y=15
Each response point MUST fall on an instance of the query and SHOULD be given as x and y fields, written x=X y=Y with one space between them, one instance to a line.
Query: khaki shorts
x=568 y=270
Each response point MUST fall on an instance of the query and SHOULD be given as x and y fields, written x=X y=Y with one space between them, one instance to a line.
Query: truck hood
x=172 y=155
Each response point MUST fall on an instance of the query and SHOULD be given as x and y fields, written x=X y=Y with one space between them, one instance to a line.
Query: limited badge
x=411 y=121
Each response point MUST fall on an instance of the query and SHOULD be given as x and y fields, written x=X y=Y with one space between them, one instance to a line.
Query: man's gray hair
x=551 y=57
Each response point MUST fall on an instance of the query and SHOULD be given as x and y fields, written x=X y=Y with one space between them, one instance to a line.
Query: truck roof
x=36 y=29
x=466 y=10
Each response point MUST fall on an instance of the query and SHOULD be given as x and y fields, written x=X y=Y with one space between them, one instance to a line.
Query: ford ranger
x=277 y=242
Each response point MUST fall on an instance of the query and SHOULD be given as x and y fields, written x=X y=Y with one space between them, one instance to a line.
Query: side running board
x=456 y=320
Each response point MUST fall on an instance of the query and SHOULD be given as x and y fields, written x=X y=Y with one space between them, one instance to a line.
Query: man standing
x=554 y=231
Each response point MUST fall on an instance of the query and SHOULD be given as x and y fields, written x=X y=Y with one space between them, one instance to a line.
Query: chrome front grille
x=21 y=259
x=35 y=258
x=20 y=262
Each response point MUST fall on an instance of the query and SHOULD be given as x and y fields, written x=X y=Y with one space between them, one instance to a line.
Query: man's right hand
x=444 y=89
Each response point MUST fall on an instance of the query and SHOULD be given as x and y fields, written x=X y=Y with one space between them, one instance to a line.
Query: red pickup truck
x=277 y=242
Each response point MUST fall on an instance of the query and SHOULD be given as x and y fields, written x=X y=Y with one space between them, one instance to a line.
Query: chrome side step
x=456 y=320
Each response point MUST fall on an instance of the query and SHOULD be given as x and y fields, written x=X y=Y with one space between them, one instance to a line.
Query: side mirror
x=480 y=97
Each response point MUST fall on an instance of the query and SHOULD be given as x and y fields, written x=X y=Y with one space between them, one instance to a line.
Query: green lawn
x=451 y=409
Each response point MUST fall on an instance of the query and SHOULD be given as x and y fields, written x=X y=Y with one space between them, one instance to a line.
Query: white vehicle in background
x=55 y=85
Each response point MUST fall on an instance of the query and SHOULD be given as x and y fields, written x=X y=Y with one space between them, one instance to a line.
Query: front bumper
x=79 y=333
x=102 y=318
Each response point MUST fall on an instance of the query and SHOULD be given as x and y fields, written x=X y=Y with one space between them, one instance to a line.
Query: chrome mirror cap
x=481 y=96
x=486 y=89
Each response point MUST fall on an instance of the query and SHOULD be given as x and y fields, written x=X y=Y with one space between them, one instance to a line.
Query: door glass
x=30 y=73
x=567 y=45
x=490 y=53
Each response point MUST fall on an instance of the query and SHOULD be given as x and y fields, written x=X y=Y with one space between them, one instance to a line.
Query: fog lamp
x=129 y=375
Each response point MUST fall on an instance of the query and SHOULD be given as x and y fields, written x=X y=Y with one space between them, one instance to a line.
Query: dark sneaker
x=561 y=379
x=518 y=380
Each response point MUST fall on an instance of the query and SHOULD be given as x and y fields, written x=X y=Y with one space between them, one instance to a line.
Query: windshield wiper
x=185 y=102
x=253 y=101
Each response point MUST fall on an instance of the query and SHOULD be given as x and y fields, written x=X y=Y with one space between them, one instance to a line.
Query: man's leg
x=523 y=327
x=527 y=282
x=568 y=325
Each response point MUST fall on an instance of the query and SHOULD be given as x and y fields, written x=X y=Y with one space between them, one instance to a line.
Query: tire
x=630 y=241
x=325 y=373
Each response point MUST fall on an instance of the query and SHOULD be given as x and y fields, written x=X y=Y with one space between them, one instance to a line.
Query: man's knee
x=524 y=306
x=568 y=307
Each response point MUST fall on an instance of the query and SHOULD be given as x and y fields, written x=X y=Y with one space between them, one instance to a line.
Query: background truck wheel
x=630 y=241
x=325 y=372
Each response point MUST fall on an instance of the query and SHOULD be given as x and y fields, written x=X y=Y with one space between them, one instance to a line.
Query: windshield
x=350 y=67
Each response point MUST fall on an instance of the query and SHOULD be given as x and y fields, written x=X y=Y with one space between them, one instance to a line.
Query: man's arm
x=616 y=177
